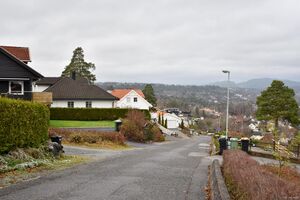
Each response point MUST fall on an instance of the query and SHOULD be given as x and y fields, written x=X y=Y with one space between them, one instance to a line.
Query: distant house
x=45 y=83
x=16 y=77
x=173 y=121
x=131 y=98
x=75 y=92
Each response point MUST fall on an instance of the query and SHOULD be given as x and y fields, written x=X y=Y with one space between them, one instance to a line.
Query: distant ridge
x=260 y=84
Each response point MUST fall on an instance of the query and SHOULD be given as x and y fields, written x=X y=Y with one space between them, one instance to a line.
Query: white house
x=44 y=83
x=75 y=93
x=131 y=98
x=173 y=121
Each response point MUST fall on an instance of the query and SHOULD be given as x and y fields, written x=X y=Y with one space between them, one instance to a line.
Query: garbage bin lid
x=233 y=139
x=244 y=138
x=118 y=120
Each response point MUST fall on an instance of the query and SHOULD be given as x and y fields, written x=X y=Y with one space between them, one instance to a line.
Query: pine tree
x=182 y=124
x=162 y=120
x=79 y=66
x=159 y=119
x=149 y=94
x=276 y=103
x=166 y=123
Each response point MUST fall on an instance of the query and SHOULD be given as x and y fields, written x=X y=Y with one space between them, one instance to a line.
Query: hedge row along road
x=22 y=124
x=90 y=114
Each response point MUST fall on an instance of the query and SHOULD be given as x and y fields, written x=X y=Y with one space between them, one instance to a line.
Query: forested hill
x=188 y=97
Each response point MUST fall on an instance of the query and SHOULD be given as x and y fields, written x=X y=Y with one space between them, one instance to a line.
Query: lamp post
x=227 y=108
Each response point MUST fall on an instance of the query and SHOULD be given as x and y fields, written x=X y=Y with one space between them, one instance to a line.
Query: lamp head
x=226 y=71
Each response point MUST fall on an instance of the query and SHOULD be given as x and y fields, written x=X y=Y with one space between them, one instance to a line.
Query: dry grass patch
x=286 y=172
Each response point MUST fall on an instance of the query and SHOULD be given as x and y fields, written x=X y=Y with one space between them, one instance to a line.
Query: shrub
x=136 y=128
x=90 y=114
x=22 y=124
x=91 y=137
x=74 y=138
x=158 y=135
x=132 y=131
x=133 y=126
x=246 y=179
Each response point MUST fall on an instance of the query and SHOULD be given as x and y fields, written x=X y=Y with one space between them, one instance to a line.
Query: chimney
x=73 y=75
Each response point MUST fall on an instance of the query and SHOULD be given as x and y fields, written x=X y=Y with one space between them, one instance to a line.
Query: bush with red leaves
x=136 y=128
x=82 y=136
x=246 y=179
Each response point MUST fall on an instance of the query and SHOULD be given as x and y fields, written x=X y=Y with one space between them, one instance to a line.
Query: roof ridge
x=52 y=86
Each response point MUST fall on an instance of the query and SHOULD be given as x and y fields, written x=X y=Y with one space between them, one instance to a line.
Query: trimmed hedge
x=22 y=124
x=90 y=114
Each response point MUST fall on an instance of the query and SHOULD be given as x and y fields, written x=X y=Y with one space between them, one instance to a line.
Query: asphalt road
x=169 y=171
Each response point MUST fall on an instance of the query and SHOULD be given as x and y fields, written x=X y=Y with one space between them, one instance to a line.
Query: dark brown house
x=16 y=77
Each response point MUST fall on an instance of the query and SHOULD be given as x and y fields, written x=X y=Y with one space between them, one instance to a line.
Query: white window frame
x=88 y=104
x=70 y=102
x=128 y=99
x=16 y=93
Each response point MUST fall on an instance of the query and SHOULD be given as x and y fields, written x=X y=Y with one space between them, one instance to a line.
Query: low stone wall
x=217 y=185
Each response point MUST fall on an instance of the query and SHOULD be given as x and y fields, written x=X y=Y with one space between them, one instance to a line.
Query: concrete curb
x=218 y=188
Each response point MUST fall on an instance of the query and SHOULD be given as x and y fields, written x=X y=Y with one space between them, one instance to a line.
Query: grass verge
x=81 y=124
x=22 y=164
x=102 y=145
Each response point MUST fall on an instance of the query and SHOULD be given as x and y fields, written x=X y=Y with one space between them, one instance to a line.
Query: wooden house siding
x=11 y=69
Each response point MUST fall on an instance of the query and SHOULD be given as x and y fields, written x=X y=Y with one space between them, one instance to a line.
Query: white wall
x=81 y=104
x=140 y=104
x=40 y=88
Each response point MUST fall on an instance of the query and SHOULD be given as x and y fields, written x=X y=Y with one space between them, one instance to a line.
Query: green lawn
x=80 y=124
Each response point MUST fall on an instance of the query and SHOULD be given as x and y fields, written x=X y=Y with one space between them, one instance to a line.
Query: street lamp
x=227 y=109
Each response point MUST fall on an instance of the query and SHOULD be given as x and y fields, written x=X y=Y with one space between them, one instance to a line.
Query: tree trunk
x=275 y=132
x=276 y=124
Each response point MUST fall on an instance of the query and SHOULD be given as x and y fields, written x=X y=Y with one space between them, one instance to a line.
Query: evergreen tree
x=197 y=112
x=276 y=103
x=162 y=120
x=203 y=114
x=149 y=94
x=159 y=119
x=79 y=66
x=166 y=123
x=182 y=124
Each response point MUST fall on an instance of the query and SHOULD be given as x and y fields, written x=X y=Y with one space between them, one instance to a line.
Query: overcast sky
x=160 y=41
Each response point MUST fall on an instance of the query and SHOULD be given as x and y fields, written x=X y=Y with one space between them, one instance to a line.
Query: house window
x=88 y=104
x=16 y=87
x=135 y=99
x=128 y=99
x=70 y=104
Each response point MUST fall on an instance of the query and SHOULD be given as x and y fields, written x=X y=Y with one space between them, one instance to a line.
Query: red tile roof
x=120 y=93
x=22 y=53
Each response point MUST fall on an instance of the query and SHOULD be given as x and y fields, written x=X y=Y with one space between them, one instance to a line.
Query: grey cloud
x=168 y=41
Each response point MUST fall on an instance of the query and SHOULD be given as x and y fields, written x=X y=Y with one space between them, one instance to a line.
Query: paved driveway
x=170 y=171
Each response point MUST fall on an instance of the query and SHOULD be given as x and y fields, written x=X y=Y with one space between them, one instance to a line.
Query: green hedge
x=90 y=114
x=22 y=124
